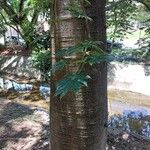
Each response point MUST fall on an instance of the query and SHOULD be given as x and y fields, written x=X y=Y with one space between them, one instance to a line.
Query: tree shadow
x=147 y=69
x=12 y=111
x=43 y=143
x=9 y=112
x=21 y=127
x=12 y=136
x=111 y=73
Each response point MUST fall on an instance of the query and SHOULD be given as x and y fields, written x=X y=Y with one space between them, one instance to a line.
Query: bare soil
x=22 y=127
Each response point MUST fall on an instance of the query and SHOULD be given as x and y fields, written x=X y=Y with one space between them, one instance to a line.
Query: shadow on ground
x=20 y=128
x=26 y=128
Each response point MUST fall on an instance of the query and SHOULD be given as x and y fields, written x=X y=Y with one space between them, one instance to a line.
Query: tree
x=23 y=17
x=146 y=3
x=120 y=21
x=78 y=119
x=144 y=20
x=121 y=16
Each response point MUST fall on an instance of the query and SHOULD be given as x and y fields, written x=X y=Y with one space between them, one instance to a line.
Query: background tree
x=123 y=23
x=120 y=18
x=23 y=16
x=144 y=20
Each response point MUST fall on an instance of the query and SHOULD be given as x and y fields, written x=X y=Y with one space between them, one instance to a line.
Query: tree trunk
x=77 y=122
x=98 y=85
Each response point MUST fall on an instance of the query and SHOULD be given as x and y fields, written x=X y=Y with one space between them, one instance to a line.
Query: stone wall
x=18 y=65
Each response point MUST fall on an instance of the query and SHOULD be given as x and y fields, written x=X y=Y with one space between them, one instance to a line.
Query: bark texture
x=97 y=92
x=77 y=122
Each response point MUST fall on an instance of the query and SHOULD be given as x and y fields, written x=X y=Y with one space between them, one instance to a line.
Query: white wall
x=130 y=77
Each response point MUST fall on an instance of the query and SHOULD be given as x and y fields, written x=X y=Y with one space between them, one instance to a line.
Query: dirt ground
x=118 y=140
x=22 y=127
x=26 y=128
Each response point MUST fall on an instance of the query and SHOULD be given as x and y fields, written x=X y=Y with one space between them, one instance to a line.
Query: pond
x=20 y=87
x=130 y=117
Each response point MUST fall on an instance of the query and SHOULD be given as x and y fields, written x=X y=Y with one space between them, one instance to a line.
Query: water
x=132 y=121
x=45 y=90
x=7 y=84
x=131 y=115
x=122 y=107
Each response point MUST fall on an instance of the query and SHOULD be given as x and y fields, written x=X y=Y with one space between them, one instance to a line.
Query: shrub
x=2 y=46
x=42 y=61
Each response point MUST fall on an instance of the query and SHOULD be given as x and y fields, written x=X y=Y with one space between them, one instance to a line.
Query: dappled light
x=18 y=126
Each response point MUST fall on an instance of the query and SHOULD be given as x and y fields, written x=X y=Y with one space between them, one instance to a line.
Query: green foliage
x=2 y=46
x=144 y=20
x=3 y=28
x=42 y=61
x=131 y=54
x=59 y=65
x=42 y=40
x=71 y=83
x=120 y=18
x=83 y=48
x=23 y=16
x=96 y=57
x=85 y=53
x=76 y=9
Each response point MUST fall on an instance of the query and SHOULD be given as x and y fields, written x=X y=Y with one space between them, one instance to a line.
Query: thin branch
x=7 y=23
x=35 y=17
x=9 y=11
x=21 y=5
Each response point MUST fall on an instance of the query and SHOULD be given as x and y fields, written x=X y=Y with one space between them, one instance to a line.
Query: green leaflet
x=80 y=48
x=68 y=51
x=58 y=66
x=97 y=58
x=77 y=11
x=90 y=54
x=88 y=2
x=42 y=61
x=71 y=83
